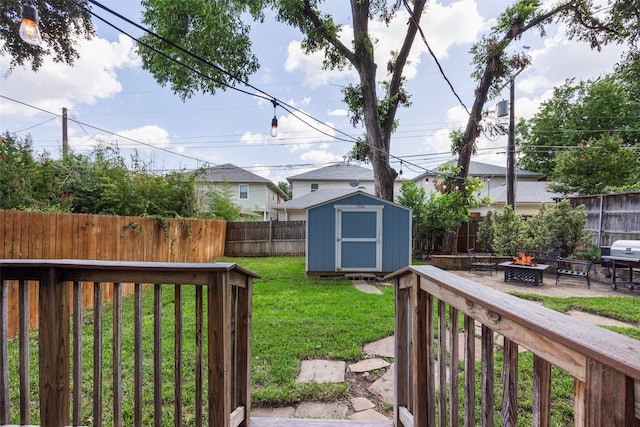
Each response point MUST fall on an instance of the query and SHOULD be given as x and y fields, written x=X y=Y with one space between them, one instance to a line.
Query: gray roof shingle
x=336 y=172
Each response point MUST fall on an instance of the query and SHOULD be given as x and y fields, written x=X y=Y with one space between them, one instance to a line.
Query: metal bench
x=483 y=261
x=574 y=268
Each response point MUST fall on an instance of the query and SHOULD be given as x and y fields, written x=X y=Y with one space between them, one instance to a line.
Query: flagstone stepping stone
x=369 y=415
x=324 y=410
x=368 y=289
x=383 y=386
x=361 y=404
x=280 y=412
x=321 y=371
x=383 y=347
x=367 y=365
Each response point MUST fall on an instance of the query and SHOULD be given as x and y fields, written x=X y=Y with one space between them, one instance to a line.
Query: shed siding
x=321 y=237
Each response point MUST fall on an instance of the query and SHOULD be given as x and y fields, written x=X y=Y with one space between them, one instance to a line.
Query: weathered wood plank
x=97 y=353
x=198 y=357
x=219 y=341
x=488 y=398
x=117 y=355
x=442 y=363
x=609 y=397
x=454 y=362
x=53 y=343
x=177 y=354
x=403 y=383
x=4 y=352
x=469 y=372
x=541 y=392
x=137 y=356
x=510 y=384
x=242 y=380
x=157 y=355
x=77 y=354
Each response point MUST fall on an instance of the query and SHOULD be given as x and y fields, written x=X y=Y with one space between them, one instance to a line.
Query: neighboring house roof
x=526 y=192
x=336 y=172
x=315 y=198
x=478 y=169
x=232 y=173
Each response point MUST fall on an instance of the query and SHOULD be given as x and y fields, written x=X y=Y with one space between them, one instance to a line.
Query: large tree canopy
x=496 y=61
x=578 y=113
x=216 y=31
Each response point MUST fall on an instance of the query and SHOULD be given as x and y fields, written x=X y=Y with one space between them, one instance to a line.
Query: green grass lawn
x=298 y=318
x=294 y=318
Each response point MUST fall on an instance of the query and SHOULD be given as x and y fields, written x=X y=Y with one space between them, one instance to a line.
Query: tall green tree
x=496 y=62
x=595 y=166
x=577 y=115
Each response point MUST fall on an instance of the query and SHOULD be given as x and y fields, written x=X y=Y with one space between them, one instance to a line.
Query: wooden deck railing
x=436 y=364
x=222 y=343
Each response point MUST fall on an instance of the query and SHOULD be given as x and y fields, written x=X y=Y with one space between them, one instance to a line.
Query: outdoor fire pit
x=524 y=270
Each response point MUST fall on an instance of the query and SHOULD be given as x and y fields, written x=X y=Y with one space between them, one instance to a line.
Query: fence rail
x=266 y=238
x=37 y=235
x=431 y=304
x=221 y=347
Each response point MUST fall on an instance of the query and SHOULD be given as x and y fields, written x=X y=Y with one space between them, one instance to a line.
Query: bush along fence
x=37 y=235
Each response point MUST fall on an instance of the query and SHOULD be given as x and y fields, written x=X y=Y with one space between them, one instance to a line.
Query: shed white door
x=359 y=238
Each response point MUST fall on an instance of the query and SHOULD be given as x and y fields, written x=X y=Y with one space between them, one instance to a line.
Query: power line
x=104 y=130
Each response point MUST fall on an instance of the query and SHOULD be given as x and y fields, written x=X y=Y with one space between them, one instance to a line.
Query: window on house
x=314 y=187
x=244 y=191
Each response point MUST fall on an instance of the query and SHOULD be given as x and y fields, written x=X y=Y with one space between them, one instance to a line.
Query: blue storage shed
x=357 y=233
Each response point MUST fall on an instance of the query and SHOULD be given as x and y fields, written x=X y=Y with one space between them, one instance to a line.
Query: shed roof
x=336 y=172
x=358 y=192
x=315 y=198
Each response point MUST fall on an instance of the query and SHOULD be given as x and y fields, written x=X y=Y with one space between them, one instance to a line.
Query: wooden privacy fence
x=217 y=378
x=437 y=314
x=37 y=235
x=265 y=238
x=611 y=217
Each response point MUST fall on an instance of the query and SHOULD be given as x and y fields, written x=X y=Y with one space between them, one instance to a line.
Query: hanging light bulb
x=29 y=31
x=274 y=121
x=400 y=174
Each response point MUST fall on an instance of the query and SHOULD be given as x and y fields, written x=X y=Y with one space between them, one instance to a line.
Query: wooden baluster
x=77 y=353
x=177 y=354
x=4 y=352
x=442 y=362
x=454 y=350
x=137 y=349
x=198 y=361
x=242 y=380
x=402 y=380
x=157 y=355
x=97 y=353
x=117 y=354
x=541 y=392
x=25 y=356
x=488 y=398
x=510 y=384
x=469 y=372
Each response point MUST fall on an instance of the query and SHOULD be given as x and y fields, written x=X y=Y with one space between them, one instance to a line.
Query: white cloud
x=142 y=139
x=437 y=23
x=320 y=156
x=91 y=78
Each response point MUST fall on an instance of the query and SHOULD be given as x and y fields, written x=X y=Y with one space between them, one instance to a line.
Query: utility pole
x=65 y=136
x=511 y=148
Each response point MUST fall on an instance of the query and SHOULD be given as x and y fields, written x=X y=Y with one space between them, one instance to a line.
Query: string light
x=29 y=31
x=274 y=121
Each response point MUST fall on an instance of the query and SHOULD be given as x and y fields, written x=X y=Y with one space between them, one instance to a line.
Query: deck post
x=54 y=350
x=219 y=338
x=609 y=397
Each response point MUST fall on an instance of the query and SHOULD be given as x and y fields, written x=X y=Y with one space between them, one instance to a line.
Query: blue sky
x=108 y=90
